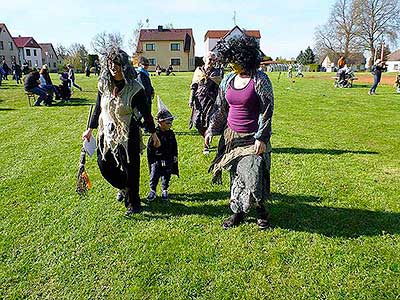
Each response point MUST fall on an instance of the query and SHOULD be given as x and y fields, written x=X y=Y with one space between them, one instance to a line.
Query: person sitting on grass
x=163 y=161
x=31 y=84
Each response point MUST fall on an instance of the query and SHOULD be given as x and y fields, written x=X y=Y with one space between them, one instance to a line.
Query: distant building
x=29 y=51
x=213 y=36
x=393 y=61
x=167 y=46
x=8 y=48
x=49 y=56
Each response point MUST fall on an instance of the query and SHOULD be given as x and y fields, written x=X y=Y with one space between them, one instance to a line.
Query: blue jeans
x=377 y=79
x=42 y=95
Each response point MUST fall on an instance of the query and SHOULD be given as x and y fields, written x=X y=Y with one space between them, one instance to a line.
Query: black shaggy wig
x=243 y=51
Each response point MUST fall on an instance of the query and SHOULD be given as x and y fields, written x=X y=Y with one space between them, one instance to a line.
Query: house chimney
x=160 y=28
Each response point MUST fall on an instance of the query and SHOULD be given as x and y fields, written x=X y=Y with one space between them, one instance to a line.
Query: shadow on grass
x=74 y=102
x=361 y=86
x=290 y=212
x=333 y=222
x=193 y=133
x=292 y=150
x=6 y=109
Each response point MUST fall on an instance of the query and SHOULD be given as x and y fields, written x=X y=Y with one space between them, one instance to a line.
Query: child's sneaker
x=164 y=195
x=152 y=195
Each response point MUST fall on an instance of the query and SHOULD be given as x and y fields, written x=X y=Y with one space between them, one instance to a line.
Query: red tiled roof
x=28 y=41
x=219 y=34
x=394 y=56
x=164 y=35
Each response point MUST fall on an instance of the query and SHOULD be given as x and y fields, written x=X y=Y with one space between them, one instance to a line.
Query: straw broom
x=83 y=182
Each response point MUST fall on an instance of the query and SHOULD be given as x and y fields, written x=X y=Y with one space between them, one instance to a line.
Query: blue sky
x=286 y=26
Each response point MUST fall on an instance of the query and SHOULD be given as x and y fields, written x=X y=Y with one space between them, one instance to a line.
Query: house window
x=13 y=58
x=10 y=45
x=34 y=52
x=152 y=61
x=150 y=47
x=1 y=45
x=54 y=65
x=28 y=52
x=175 y=61
x=175 y=47
x=396 y=67
x=29 y=63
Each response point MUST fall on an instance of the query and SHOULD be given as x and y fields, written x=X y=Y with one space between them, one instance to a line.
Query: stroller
x=344 y=80
x=63 y=88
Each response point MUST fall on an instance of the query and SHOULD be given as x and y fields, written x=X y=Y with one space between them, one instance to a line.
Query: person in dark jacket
x=377 y=69
x=31 y=84
x=144 y=78
x=163 y=161
x=121 y=103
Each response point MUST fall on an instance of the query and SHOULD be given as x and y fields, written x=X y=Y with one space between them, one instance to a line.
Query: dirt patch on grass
x=388 y=79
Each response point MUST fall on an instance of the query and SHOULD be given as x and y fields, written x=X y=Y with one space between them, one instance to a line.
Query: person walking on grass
x=203 y=92
x=121 y=103
x=162 y=161
x=144 y=79
x=243 y=116
x=71 y=77
x=377 y=69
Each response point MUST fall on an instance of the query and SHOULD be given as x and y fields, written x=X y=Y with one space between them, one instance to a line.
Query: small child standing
x=397 y=83
x=163 y=161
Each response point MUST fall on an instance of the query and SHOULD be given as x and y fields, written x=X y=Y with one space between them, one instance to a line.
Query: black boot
x=263 y=220
x=233 y=220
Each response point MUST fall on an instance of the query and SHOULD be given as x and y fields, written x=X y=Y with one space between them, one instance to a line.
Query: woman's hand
x=156 y=140
x=87 y=134
x=260 y=147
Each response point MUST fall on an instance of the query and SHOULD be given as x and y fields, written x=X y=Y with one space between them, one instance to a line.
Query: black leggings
x=127 y=175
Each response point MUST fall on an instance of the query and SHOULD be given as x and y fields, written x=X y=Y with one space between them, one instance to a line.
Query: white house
x=213 y=36
x=393 y=61
x=29 y=50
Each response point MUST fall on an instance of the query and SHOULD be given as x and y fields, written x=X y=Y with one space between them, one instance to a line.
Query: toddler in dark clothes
x=163 y=161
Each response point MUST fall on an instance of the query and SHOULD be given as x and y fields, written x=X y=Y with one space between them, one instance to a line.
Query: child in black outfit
x=163 y=161
x=397 y=83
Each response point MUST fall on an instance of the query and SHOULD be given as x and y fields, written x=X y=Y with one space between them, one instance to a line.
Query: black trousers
x=126 y=175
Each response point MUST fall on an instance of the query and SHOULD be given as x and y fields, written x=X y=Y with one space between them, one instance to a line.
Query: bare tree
x=377 y=20
x=340 y=34
x=61 y=51
x=76 y=56
x=104 y=40
x=133 y=41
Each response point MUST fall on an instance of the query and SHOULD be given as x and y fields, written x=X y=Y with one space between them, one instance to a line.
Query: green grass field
x=335 y=207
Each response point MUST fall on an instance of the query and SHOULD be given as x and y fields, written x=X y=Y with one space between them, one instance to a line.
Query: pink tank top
x=244 y=108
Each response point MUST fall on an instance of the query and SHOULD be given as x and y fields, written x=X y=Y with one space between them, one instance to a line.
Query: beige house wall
x=9 y=54
x=162 y=54
x=50 y=59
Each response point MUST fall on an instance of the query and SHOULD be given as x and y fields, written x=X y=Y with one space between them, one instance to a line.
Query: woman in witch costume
x=121 y=102
x=204 y=91
x=244 y=109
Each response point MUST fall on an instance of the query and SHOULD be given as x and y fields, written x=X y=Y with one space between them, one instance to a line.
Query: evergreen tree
x=300 y=57
x=309 y=56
